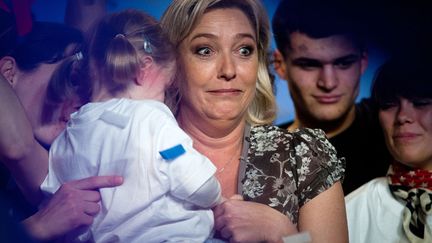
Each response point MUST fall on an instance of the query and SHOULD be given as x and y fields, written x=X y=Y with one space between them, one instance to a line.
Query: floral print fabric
x=287 y=169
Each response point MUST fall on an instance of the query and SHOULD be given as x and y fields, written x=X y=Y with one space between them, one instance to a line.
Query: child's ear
x=146 y=65
x=146 y=61
x=8 y=69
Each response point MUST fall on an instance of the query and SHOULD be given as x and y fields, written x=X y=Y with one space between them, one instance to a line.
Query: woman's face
x=220 y=63
x=31 y=90
x=48 y=121
x=407 y=126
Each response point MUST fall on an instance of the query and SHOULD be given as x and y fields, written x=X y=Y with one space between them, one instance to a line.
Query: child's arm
x=19 y=150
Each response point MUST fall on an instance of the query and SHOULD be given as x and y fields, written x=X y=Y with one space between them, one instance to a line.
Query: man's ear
x=146 y=65
x=364 y=61
x=279 y=64
x=8 y=69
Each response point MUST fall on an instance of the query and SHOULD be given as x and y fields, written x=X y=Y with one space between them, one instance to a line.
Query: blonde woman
x=289 y=182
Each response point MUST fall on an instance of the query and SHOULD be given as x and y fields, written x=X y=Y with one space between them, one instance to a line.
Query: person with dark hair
x=321 y=52
x=35 y=75
x=398 y=208
x=29 y=68
x=8 y=33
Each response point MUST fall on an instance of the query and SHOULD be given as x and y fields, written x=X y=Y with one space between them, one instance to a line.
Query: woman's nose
x=405 y=113
x=227 y=69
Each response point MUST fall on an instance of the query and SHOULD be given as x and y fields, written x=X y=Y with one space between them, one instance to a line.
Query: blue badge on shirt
x=173 y=152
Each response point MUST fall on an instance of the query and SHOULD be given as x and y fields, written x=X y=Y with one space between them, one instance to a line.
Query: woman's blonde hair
x=182 y=16
x=120 y=40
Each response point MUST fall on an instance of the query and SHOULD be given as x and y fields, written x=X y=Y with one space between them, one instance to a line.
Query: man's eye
x=344 y=64
x=307 y=65
x=204 y=51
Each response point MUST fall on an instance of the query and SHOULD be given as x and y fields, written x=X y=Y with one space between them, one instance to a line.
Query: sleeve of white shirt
x=51 y=183
x=205 y=196
x=188 y=172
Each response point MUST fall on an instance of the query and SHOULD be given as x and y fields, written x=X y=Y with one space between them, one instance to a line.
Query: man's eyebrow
x=347 y=58
x=305 y=60
x=312 y=61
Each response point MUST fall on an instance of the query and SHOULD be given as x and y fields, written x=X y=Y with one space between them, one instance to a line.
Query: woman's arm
x=240 y=221
x=324 y=217
x=26 y=159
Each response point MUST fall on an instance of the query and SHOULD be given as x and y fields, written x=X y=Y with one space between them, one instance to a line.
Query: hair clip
x=119 y=36
x=78 y=56
x=147 y=46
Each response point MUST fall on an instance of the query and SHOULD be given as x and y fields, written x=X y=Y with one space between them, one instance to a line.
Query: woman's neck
x=221 y=142
x=211 y=134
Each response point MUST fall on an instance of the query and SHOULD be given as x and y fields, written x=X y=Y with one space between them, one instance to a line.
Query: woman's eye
x=204 y=51
x=246 y=51
x=387 y=105
x=421 y=102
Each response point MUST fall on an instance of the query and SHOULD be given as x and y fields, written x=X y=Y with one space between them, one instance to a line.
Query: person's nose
x=227 y=67
x=328 y=79
x=405 y=112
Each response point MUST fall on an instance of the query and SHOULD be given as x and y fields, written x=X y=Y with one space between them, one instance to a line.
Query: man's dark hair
x=317 y=19
x=8 y=33
x=46 y=43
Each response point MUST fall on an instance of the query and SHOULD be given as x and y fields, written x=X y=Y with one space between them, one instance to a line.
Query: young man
x=322 y=54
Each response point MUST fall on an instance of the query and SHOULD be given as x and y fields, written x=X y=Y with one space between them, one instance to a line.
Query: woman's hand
x=240 y=221
x=74 y=205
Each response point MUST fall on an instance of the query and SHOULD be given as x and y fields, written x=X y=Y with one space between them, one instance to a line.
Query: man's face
x=323 y=75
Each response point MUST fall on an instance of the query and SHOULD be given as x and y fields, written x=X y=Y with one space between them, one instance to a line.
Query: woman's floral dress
x=287 y=169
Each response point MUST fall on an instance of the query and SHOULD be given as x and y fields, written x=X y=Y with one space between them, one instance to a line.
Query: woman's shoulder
x=306 y=136
x=372 y=212
x=374 y=188
x=299 y=131
x=287 y=169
